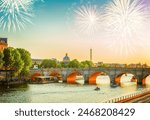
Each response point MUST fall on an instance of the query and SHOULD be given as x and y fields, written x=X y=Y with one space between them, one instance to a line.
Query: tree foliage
x=74 y=64
x=8 y=58
x=64 y=65
x=27 y=61
x=16 y=59
x=18 y=62
x=1 y=59
x=48 y=63
x=86 y=64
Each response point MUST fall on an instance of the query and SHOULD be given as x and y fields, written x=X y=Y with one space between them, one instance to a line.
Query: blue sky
x=49 y=22
x=51 y=34
x=54 y=11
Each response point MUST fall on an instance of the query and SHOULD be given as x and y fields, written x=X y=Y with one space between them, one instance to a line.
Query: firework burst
x=125 y=21
x=87 y=20
x=15 y=14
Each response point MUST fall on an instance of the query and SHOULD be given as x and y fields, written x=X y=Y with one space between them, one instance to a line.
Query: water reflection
x=62 y=93
x=103 y=80
x=80 y=79
x=147 y=82
x=126 y=80
x=14 y=94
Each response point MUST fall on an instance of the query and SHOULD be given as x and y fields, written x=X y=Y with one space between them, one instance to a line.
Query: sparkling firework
x=87 y=20
x=125 y=21
x=15 y=14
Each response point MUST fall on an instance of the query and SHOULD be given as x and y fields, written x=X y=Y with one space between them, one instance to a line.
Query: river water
x=62 y=93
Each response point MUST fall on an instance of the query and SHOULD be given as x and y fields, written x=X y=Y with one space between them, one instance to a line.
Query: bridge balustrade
x=127 y=96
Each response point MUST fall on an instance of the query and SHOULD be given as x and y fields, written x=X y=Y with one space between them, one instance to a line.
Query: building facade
x=36 y=63
x=3 y=43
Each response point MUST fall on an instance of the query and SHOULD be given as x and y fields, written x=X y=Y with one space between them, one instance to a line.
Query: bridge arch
x=126 y=77
x=146 y=80
x=55 y=74
x=93 y=77
x=73 y=76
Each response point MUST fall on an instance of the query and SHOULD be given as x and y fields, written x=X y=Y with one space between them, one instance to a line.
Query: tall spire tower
x=91 y=55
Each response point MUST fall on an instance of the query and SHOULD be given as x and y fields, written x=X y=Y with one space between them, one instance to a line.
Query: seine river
x=62 y=93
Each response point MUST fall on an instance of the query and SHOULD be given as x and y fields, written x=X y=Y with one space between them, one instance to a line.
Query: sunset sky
x=53 y=33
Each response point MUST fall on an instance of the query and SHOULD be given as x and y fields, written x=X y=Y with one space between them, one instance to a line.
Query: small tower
x=91 y=54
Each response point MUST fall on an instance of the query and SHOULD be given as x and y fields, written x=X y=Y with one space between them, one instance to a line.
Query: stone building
x=3 y=43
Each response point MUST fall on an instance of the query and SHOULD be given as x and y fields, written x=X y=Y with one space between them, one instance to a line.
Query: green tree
x=64 y=65
x=53 y=63
x=1 y=59
x=27 y=61
x=86 y=64
x=8 y=58
x=105 y=65
x=18 y=62
x=59 y=65
x=48 y=63
x=44 y=63
x=83 y=65
x=74 y=64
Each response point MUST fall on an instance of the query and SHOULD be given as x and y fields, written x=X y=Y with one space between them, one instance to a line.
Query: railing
x=95 y=68
x=128 y=96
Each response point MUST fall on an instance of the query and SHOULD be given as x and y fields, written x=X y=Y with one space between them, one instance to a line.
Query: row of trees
x=17 y=59
x=48 y=63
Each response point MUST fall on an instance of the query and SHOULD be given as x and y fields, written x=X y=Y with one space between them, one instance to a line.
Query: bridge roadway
x=90 y=74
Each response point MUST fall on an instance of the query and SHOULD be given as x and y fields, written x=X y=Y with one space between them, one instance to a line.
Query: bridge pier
x=64 y=76
x=139 y=79
x=86 y=79
x=112 y=78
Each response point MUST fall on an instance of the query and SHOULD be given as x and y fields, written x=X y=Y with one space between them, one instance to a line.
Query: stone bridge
x=90 y=74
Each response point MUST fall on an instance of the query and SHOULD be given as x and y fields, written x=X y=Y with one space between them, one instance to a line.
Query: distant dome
x=66 y=58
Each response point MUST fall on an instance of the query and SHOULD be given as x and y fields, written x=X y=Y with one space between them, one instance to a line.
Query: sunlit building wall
x=3 y=43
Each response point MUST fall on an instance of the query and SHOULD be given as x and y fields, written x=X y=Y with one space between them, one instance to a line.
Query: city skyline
x=53 y=33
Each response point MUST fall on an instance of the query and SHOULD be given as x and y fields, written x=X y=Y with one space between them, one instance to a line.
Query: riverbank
x=16 y=83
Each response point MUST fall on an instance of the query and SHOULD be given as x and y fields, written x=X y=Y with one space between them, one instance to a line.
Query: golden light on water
x=148 y=81
x=103 y=80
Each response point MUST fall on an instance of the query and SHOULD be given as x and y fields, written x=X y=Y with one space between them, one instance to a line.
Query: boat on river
x=43 y=80
x=113 y=85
